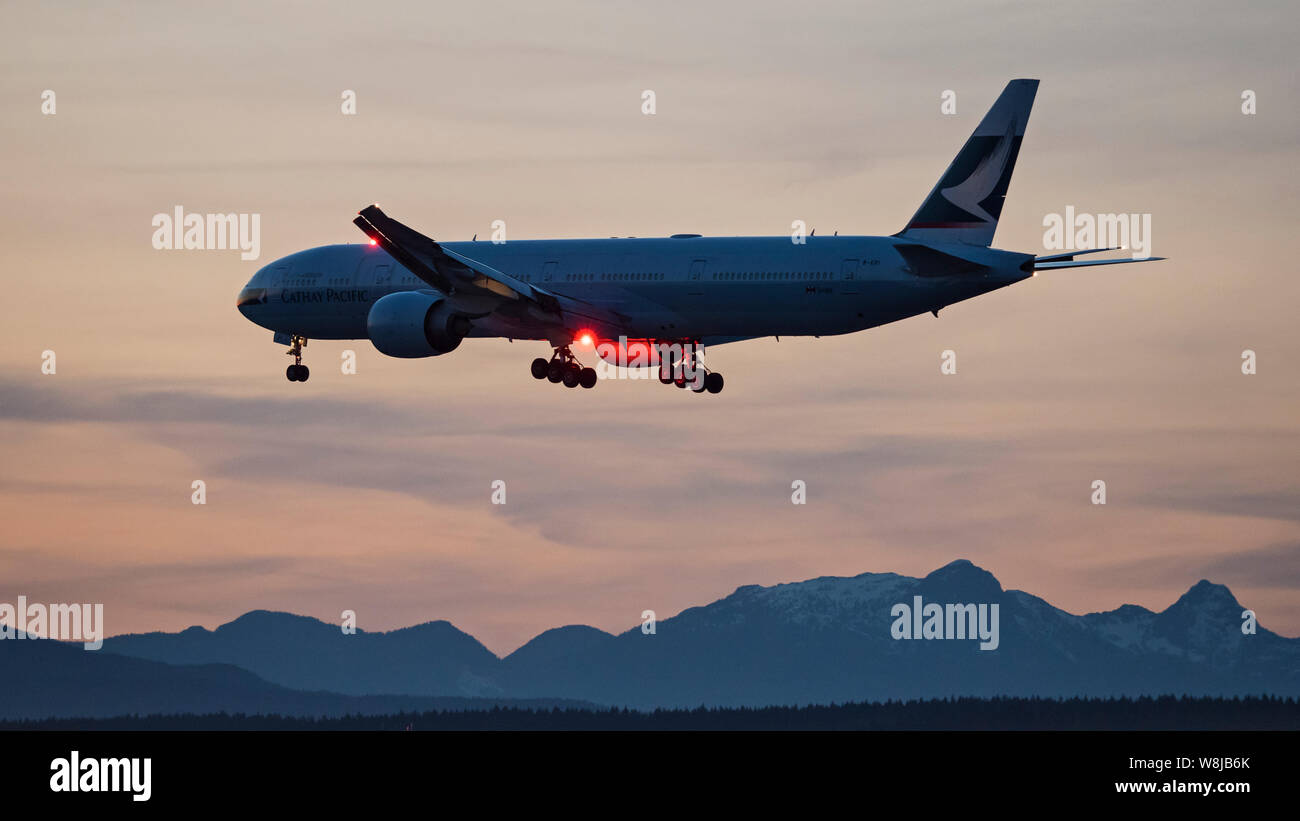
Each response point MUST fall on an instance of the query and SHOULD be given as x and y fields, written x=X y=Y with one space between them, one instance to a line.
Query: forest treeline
x=1145 y=713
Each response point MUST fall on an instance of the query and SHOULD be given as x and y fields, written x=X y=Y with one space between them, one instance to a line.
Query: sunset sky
x=371 y=492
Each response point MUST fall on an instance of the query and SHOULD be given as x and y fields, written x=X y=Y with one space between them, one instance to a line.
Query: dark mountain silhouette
x=47 y=679
x=819 y=641
x=303 y=653
x=558 y=644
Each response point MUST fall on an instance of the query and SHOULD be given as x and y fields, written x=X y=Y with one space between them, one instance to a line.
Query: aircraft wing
x=480 y=290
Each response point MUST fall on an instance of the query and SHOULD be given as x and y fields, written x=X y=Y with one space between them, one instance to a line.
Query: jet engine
x=410 y=324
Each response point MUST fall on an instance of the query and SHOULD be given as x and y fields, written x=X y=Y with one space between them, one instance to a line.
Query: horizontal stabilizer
x=1072 y=254
x=1041 y=265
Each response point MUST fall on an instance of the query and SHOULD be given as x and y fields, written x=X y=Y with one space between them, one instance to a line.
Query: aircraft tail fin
x=965 y=204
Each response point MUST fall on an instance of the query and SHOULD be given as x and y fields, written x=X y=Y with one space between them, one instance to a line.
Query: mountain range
x=825 y=640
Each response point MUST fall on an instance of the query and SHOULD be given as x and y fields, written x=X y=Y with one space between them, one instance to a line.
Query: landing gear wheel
x=668 y=366
x=564 y=367
x=713 y=382
x=297 y=372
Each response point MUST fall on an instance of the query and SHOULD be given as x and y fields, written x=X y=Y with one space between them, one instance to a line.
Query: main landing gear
x=564 y=367
x=673 y=372
x=297 y=372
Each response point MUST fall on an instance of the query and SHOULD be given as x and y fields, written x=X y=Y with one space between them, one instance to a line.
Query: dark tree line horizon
x=1003 y=713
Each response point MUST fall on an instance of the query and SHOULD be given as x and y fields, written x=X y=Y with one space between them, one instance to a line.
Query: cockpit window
x=251 y=296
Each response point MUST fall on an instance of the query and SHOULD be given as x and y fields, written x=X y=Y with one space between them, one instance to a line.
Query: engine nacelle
x=410 y=324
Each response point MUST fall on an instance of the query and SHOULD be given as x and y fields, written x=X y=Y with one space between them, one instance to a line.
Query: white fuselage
x=709 y=289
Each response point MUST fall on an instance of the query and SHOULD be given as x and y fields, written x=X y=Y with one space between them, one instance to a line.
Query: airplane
x=657 y=301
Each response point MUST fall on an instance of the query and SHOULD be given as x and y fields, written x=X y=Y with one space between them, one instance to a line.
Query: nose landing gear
x=565 y=368
x=297 y=372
